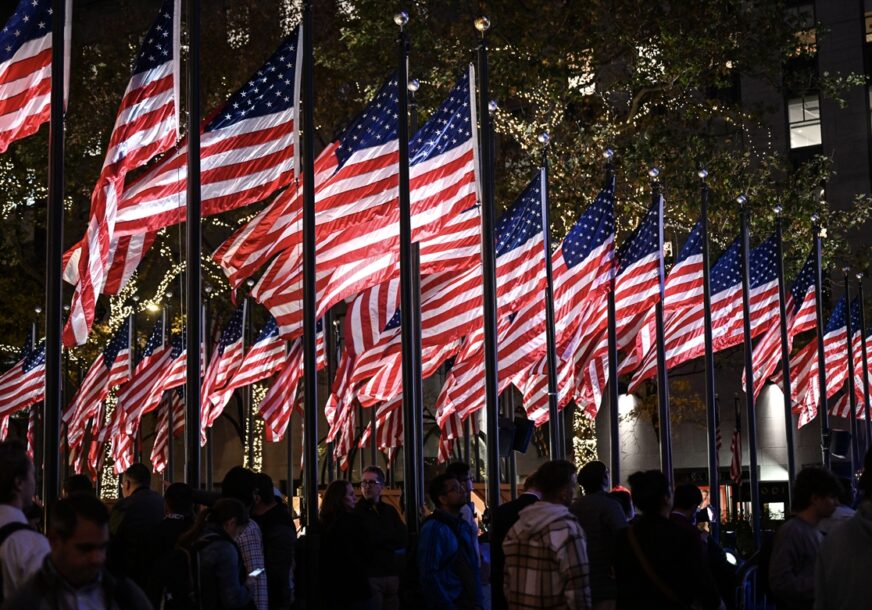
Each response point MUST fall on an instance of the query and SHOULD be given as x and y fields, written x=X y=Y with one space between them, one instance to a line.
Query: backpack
x=6 y=531
x=181 y=589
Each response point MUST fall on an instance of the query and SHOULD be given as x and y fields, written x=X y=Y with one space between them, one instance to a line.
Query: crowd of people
x=568 y=541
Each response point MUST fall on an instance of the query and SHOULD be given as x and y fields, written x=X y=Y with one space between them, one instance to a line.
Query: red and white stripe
x=160 y=450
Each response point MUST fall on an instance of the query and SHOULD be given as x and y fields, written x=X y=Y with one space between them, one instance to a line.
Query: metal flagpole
x=852 y=399
x=785 y=360
x=310 y=373
x=247 y=398
x=662 y=373
x=614 y=390
x=711 y=390
x=417 y=375
x=823 y=413
x=194 y=247
x=488 y=256
x=742 y=200
x=171 y=453
x=551 y=358
x=411 y=442
x=53 y=255
x=865 y=361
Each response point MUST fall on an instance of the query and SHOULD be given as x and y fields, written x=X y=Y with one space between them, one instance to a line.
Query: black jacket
x=342 y=563
x=504 y=517
x=132 y=525
x=279 y=542
x=386 y=535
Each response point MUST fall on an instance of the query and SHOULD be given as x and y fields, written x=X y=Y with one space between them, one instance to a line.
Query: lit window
x=804 y=117
x=801 y=18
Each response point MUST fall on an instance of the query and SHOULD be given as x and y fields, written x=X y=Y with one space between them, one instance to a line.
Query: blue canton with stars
x=643 y=241
x=118 y=343
x=178 y=344
x=727 y=271
x=269 y=331
x=155 y=340
x=35 y=358
x=855 y=316
x=837 y=317
x=394 y=322
x=157 y=46
x=764 y=263
x=233 y=332
x=522 y=221
x=269 y=90
x=804 y=280
x=376 y=125
x=593 y=229
x=693 y=245
x=449 y=127
x=28 y=344
x=31 y=20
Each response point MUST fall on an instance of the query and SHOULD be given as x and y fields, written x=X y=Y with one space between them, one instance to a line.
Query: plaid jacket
x=546 y=560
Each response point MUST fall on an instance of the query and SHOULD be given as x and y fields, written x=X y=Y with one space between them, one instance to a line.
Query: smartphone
x=256 y=573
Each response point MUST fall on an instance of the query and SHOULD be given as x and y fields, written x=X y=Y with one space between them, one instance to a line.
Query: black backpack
x=181 y=589
x=6 y=531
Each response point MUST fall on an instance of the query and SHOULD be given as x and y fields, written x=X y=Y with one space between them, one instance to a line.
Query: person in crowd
x=601 y=517
x=685 y=504
x=239 y=483
x=504 y=517
x=656 y=561
x=447 y=559
x=132 y=525
x=73 y=574
x=844 y=509
x=178 y=518
x=77 y=483
x=387 y=538
x=797 y=542
x=546 y=554
x=344 y=552
x=845 y=558
x=21 y=548
x=219 y=574
x=279 y=542
x=622 y=496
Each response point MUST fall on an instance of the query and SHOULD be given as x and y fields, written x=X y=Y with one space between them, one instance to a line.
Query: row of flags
x=250 y=152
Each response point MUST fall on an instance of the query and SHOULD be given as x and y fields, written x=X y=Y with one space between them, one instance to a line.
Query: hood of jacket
x=539 y=516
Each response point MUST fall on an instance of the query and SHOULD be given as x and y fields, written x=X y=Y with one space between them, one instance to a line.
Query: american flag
x=389 y=426
x=248 y=151
x=223 y=367
x=174 y=401
x=109 y=370
x=23 y=384
x=800 y=309
x=736 y=448
x=136 y=395
x=33 y=419
x=145 y=126
x=264 y=358
x=25 y=69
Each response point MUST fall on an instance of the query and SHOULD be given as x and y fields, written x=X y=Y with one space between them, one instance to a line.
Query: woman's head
x=338 y=498
x=229 y=514
x=651 y=492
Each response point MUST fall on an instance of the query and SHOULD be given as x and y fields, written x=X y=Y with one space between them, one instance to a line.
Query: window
x=804 y=118
x=801 y=19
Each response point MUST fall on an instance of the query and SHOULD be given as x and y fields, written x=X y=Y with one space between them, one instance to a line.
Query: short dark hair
x=225 y=509
x=263 y=487
x=458 y=470
x=591 y=476
x=239 y=483
x=78 y=483
x=139 y=474
x=378 y=472
x=65 y=514
x=180 y=498
x=14 y=464
x=437 y=486
x=814 y=481
x=553 y=476
x=686 y=496
x=531 y=483
x=648 y=489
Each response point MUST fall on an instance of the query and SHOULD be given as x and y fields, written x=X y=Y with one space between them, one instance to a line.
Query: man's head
x=239 y=483
x=557 y=481
x=179 y=499
x=593 y=477
x=264 y=491
x=651 y=493
x=79 y=535
x=686 y=499
x=17 y=480
x=816 y=493
x=75 y=484
x=460 y=471
x=447 y=493
x=531 y=484
x=135 y=477
x=372 y=482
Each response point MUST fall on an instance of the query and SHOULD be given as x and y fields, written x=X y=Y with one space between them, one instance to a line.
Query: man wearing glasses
x=387 y=538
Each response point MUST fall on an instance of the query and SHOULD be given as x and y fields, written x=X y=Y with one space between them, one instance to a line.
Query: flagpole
x=417 y=375
x=551 y=358
x=865 y=361
x=662 y=373
x=194 y=248
x=614 y=390
x=488 y=256
x=711 y=390
x=852 y=399
x=742 y=200
x=53 y=256
x=246 y=391
x=822 y=373
x=785 y=360
x=411 y=442
x=310 y=373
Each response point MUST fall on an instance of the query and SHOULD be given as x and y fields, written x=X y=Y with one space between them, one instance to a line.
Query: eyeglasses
x=369 y=483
